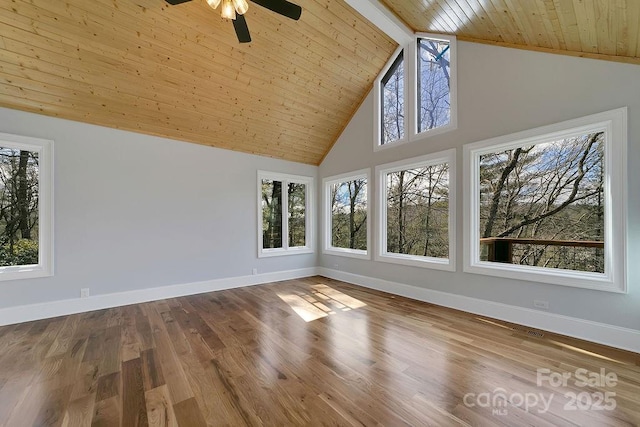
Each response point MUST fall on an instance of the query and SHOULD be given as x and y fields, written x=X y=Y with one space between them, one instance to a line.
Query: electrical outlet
x=254 y=271
x=541 y=304
x=84 y=293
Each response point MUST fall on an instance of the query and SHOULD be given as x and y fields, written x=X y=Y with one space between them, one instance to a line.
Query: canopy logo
x=500 y=399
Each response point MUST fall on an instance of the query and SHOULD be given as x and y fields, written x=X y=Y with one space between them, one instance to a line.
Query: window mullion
x=307 y=215
x=411 y=91
x=383 y=213
x=285 y=214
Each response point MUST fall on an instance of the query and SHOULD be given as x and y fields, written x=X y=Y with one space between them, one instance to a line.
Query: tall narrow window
x=392 y=102
x=434 y=83
x=545 y=204
x=346 y=215
x=416 y=211
x=284 y=218
x=25 y=207
x=297 y=214
x=271 y=213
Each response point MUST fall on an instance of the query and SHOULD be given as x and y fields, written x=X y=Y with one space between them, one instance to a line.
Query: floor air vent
x=530 y=332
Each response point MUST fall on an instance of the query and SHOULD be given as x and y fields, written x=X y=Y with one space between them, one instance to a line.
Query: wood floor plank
x=159 y=408
x=151 y=370
x=24 y=407
x=107 y=413
x=130 y=346
x=11 y=394
x=79 y=412
x=172 y=369
x=134 y=408
x=312 y=351
x=85 y=381
x=108 y=386
x=188 y=413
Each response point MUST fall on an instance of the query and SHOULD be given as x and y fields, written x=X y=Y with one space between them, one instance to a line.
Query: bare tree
x=417 y=211
x=434 y=83
x=549 y=191
x=393 y=103
x=18 y=207
x=272 y=214
x=349 y=214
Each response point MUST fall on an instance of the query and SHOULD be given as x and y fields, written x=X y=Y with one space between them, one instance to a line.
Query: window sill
x=576 y=279
x=350 y=253
x=418 y=261
x=417 y=137
x=266 y=253
x=381 y=147
x=24 y=272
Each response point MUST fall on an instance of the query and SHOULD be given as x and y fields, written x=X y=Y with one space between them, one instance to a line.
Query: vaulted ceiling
x=179 y=71
x=603 y=29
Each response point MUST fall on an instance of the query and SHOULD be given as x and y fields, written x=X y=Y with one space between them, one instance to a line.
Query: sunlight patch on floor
x=579 y=350
x=338 y=296
x=321 y=302
x=493 y=323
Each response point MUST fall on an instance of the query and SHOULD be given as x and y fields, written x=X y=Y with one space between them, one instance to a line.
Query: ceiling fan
x=235 y=9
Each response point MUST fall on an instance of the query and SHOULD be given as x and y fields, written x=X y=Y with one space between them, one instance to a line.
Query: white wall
x=135 y=211
x=501 y=91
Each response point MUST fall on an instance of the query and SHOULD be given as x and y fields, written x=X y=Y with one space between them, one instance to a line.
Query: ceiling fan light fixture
x=241 y=6
x=213 y=3
x=228 y=11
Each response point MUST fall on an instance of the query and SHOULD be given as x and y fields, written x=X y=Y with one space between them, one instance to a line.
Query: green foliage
x=25 y=252
x=19 y=202
x=271 y=214
x=297 y=195
x=272 y=206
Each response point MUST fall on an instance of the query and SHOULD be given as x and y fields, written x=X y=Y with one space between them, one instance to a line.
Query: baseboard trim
x=601 y=333
x=614 y=336
x=27 y=313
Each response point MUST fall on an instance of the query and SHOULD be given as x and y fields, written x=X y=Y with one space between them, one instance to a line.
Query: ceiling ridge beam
x=384 y=19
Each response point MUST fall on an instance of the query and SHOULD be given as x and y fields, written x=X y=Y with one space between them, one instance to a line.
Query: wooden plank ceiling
x=603 y=29
x=179 y=71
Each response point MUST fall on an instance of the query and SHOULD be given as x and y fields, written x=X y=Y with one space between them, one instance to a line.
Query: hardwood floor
x=306 y=352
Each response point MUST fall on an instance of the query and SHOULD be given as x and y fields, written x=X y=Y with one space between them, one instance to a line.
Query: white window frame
x=446 y=264
x=414 y=135
x=327 y=247
x=44 y=148
x=377 y=113
x=308 y=225
x=411 y=93
x=614 y=124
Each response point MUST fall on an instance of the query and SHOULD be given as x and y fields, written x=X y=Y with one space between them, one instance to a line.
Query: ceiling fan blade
x=175 y=2
x=242 y=30
x=283 y=7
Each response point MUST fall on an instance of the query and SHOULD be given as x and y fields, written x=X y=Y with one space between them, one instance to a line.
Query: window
x=544 y=204
x=417 y=211
x=26 y=241
x=392 y=102
x=346 y=214
x=284 y=214
x=434 y=83
x=415 y=95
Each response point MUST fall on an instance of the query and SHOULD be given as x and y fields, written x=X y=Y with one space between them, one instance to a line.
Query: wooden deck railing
x=501 y=248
